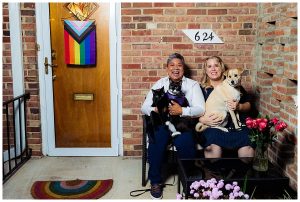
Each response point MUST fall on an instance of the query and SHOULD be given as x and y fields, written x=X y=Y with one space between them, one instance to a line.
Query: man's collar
x=183 y=79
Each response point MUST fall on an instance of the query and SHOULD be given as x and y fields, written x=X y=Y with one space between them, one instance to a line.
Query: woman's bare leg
x=213 y=151
x=246 y=151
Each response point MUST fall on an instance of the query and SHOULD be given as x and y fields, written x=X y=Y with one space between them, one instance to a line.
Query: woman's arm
x=211 y=119
x=244 y=107
x=235 y=105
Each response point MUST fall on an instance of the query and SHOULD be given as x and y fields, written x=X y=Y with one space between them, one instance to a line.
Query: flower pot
x=260 y=162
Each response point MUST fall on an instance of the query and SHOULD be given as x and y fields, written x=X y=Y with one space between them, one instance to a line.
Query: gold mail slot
x=83 y=96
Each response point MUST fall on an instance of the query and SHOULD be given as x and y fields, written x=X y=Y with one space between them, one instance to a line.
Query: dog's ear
x=240 y=70
x=226 y=73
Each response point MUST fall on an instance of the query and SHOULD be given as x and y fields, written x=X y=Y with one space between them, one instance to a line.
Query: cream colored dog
x=216 y=101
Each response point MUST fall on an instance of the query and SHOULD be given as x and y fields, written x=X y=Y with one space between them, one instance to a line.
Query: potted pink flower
x=263 y=132
x=214 y=189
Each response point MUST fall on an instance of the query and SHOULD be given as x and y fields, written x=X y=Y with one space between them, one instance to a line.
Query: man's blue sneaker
x=156 y=191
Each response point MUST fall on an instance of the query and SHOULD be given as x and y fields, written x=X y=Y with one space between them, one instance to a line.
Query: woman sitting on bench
x=215 y=139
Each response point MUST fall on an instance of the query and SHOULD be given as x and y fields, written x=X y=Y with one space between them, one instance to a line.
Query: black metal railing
x=14 y=138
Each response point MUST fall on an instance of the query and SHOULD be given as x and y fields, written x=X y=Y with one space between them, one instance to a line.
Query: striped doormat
x=71 y=189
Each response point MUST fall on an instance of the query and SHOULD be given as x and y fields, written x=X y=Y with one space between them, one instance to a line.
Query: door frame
x=46 y=89
x=17 y=75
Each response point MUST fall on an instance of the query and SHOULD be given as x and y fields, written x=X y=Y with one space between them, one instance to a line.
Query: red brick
x=149 y=79
x=217 y=11
x=228 y=19
x=131 y=66
x=143 y=18
x=196 y=12
x=131 y=12
x=193 y=26
x=182 y=46
x=163 y=5
x=184 y=5
x=141 y=32
x=144 y=4
x=125 y=5
x=206 y=4
x=172 y=39
x=238 y=11
x=153 y=11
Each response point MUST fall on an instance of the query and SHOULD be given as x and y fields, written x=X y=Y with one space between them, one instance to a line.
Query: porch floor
x=126 y=173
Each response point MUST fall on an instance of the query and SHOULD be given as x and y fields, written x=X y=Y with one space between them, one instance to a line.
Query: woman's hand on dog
x=174 y=108
x=211 y=119
x=233 y=105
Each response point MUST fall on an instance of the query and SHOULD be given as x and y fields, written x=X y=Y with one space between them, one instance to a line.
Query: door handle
x=48 y=65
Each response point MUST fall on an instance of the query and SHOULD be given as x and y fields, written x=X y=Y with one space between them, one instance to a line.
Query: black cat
x=162 y=100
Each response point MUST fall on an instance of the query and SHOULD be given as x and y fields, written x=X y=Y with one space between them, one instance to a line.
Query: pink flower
x=249 y=123
x=236 y=189
x=178 y=196
x=280 y=126
x=228 y=186
x=262 y=125
x=249 y=118
x=246 y=196
x=254 y=124
x=275 y=120
x=214 y=189
x=262 y=131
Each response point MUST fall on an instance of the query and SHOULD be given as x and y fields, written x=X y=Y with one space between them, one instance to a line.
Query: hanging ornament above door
x=81 y=11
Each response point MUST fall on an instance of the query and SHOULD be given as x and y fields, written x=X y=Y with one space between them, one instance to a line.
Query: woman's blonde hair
x=206 y=81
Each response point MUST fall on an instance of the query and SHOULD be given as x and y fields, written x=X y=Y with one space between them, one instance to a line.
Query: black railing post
x=25 y=155
x=20 y=128
x=27 y=96
x=8 y=135
x=15 y=139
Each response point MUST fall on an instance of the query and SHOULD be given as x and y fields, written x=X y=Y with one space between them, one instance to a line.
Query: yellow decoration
x=81 y=10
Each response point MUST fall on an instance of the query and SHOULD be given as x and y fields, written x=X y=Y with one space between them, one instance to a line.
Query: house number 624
x=202 y=36
x=206 y=36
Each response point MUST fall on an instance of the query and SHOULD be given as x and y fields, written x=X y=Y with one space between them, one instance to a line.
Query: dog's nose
x=232 y=82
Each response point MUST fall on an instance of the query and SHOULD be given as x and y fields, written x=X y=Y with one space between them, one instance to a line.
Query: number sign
x=202 y=36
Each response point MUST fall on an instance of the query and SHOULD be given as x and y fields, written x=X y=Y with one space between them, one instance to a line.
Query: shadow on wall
x=187 y=71
x=285 y=150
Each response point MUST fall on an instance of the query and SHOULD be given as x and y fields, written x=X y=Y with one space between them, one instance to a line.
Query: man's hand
x=174 y=108
x=211 y=119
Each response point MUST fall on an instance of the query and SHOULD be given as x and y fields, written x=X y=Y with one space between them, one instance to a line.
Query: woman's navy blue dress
x=233 y=139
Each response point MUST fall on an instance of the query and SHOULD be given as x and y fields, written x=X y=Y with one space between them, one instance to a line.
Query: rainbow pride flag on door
x=80 y=42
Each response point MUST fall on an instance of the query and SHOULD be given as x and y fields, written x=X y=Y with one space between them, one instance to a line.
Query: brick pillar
x=277 y=78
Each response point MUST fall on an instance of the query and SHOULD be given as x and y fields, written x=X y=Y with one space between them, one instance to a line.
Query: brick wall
x=30 y=71
x=7 y=86
x=152 y=31
x=7 y=89
x=277 y=77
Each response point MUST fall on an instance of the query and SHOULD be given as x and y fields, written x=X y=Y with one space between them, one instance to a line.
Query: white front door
x=49 y=146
